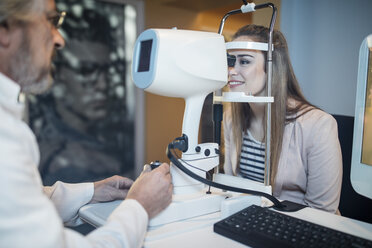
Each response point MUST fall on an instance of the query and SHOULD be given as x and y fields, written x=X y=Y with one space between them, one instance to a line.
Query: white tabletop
x=198 y=231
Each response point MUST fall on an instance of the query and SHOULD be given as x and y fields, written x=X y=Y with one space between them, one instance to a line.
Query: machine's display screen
x=367 y=127
x=145 y=56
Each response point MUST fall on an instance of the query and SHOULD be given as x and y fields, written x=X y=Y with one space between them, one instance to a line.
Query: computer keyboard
x=260 y=227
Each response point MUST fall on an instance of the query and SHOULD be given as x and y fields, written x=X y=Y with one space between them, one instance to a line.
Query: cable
x=286 y=206
x=173 y=158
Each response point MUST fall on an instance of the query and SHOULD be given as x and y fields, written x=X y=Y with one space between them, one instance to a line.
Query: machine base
x=189 y=208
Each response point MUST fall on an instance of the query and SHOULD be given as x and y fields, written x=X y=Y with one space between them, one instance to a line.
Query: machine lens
x=231 y=59
x=145 y=56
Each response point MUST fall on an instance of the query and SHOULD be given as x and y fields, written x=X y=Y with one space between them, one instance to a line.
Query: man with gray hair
x=33 y=215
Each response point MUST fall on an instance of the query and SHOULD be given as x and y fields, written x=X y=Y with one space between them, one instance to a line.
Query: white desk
x=198 y=232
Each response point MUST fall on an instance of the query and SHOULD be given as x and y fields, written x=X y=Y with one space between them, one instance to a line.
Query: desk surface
x=198 y=232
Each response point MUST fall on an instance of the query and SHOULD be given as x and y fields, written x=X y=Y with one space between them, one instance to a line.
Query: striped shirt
x=252 y=158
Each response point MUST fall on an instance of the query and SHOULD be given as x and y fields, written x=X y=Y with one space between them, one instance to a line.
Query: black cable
x=173 y=158
x=196 y=168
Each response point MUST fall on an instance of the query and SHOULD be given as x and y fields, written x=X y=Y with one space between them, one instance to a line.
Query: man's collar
x=9 y=90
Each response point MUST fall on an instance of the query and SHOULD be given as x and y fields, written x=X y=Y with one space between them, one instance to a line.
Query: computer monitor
x=361 y=162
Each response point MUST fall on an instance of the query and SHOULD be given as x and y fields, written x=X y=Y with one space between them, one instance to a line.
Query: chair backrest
x=352 y=204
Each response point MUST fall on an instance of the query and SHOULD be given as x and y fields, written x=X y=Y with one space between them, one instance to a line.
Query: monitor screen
x=367 y=127
x=361 y=161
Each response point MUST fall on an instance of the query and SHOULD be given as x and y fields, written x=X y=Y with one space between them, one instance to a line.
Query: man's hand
x=110 y=189
x=153 y=189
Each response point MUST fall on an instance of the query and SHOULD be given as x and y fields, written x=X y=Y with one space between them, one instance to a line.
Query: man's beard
x=23 y=70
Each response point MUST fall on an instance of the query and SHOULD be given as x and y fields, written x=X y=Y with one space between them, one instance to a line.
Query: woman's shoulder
x=309 y=114
x=313 y=116
x=315 y=122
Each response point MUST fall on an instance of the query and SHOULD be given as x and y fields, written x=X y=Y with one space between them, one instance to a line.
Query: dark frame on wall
x=87 y=125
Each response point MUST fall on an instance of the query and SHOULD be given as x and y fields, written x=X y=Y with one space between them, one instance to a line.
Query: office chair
x=352 y=205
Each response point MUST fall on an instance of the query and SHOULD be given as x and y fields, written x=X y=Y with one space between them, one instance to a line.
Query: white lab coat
x=34 y=216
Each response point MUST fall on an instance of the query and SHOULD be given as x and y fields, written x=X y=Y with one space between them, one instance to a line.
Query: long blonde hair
x=284 y=86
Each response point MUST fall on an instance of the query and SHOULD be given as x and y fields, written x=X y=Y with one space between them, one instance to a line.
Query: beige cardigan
x=310 y=164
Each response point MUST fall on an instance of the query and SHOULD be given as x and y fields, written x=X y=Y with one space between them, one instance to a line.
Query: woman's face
x=248 y=74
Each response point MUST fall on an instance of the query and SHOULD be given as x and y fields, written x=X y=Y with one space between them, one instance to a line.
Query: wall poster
x=85 y=123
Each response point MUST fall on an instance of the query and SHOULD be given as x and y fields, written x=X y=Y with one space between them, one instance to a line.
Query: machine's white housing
x=190 y=65
x=181 y=63
x=250 y=45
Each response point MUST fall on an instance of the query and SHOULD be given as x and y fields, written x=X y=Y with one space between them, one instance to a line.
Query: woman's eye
x=244 y=62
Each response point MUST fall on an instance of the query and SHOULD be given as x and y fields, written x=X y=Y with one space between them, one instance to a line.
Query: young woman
x=306 y=162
